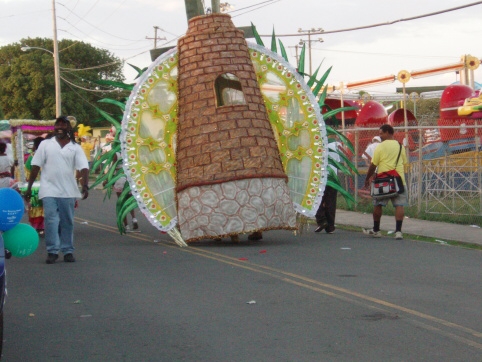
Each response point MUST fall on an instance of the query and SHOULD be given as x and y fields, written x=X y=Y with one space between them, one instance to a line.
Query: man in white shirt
x=58 y=158
x=368 y=154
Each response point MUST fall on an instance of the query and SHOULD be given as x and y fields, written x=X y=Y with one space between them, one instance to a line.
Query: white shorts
x=119 y=184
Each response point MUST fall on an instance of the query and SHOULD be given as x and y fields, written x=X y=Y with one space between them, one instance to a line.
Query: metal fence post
x=420 y=173
x=356 y=165
x=478 y=161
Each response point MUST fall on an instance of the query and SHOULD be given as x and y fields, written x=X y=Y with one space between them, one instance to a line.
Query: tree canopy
x=27 y=81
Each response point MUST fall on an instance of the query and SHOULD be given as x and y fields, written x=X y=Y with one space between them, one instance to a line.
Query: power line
x=92 y=25
x=114 y=11
x=90 y=68
x=382 y=54
x=26 y=13
x=386 y=23
x=270 y=2
x=92 y=7
x=96 y=85
x=76 y=3
x=101 y=42
x=88 y=89
x=251 y=6
x=80 y=96
x=87 y=35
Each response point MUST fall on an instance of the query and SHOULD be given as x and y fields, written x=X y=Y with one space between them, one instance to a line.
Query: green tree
x=27 y=82
x=425 y=110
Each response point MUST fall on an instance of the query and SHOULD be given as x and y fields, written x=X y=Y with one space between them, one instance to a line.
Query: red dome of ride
x=452 y=97
x=332 y=104
x=371 y=114
x=397 y=118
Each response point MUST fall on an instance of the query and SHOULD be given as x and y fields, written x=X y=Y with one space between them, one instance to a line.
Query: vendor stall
x=23 y=131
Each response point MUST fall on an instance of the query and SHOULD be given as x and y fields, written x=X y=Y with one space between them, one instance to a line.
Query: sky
x=123 y=26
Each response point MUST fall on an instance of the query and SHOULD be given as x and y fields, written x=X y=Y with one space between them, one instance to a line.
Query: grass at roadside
x=419 y=238
x=365 y=206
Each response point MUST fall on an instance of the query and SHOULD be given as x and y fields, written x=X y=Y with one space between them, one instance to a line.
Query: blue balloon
x=11 y=208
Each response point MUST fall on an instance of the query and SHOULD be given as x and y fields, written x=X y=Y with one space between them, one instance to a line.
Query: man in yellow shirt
x=384 y=160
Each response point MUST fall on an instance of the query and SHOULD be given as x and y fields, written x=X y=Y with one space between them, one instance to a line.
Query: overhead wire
x=114 y=11
x=25 y=13
x=383 y=24
x=259 y=6
x=90 y=68
x=379 y=54
x=96 y=40
x=94 y=26
x=109 y=45
x=92 y=7
x=250 y=6
x=76 y=3
x=110 y=48
x=88 y=89
x=72 y=88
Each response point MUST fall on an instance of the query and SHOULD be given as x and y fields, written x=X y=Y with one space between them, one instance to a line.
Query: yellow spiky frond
x=84 y=130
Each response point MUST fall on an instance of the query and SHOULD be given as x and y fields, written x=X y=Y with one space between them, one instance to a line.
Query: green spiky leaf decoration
x=256 y=35
x=108 y=162
x=274 y=49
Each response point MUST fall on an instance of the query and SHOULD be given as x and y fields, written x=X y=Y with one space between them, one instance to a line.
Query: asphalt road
x=340 y=297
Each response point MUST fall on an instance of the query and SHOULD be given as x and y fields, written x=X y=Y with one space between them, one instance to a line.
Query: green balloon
x=22 y=240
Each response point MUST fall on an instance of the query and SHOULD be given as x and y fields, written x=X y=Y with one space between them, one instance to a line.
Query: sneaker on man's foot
x=69 y=258
x=372 y=233
x=135 y=225
x=320 y=228
x=51 y=258
x=129 y=230
x=398 y=235
x=330 y=231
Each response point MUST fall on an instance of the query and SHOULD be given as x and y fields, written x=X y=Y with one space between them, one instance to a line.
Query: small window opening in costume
x=228 y=90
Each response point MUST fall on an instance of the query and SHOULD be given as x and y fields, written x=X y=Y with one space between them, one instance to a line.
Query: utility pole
x=156 y=38
x=309 y=32
x=58 y=99
x=296 y=53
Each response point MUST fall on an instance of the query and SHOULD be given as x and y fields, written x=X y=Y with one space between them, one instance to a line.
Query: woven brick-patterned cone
x=230 y=179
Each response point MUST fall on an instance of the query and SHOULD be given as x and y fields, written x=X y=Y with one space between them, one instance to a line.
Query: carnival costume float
x=221 y=137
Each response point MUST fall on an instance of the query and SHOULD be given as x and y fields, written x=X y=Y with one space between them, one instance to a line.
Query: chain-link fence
x=444 y=174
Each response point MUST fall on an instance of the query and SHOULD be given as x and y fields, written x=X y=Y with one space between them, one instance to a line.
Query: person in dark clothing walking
x=325 y=216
